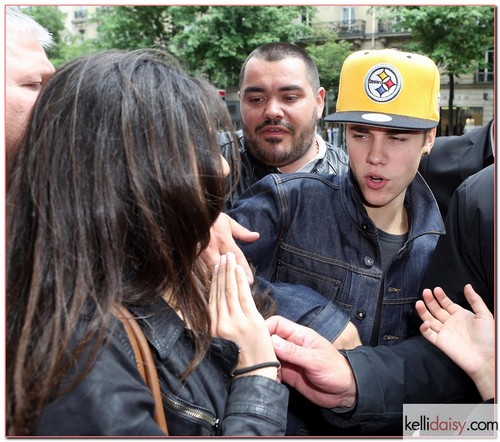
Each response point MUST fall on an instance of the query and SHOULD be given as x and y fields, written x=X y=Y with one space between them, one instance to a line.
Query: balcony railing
x=344 y=29
x=386 y=26
x=347 y=28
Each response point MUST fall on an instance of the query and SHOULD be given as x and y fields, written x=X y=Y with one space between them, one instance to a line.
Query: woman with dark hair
x=111 y=197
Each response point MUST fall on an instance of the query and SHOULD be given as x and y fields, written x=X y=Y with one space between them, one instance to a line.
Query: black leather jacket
x=453 y=159
x=334 y=162
x=113 y=400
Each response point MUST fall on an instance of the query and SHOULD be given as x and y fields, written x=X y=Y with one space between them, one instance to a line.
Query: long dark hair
x=111 y=197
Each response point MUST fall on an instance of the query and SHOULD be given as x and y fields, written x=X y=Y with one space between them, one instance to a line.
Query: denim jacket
x=315 y=231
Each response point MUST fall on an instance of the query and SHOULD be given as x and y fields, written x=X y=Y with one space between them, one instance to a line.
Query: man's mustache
x=275 y=123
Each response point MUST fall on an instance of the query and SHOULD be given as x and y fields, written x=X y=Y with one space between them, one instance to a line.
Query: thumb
x=242 y=233
x=476 y=302
x=288 y=351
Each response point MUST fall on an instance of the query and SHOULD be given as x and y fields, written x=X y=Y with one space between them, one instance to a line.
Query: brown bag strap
x=144 y=360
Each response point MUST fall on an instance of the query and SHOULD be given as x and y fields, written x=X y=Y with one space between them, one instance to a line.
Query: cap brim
x=381 y=120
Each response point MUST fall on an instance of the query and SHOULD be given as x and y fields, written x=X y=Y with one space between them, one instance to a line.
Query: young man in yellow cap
x=362 y=239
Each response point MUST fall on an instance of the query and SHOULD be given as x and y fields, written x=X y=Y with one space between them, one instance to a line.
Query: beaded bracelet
x=254 y=367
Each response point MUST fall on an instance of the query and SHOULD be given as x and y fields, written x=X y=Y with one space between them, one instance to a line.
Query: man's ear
x=320 y=101
x=430 y=137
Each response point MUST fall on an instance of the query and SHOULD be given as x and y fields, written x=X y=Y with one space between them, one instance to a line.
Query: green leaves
x=132 y=27
x=329 y=57
x=456 y=37
x=216 y=43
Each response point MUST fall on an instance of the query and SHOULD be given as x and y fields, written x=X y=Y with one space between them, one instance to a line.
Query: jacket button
x=368 y=261
x=365 y=227
x=360 y=314
x=390 y=338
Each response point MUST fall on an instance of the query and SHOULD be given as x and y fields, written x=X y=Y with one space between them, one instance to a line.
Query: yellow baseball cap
x=388 y=88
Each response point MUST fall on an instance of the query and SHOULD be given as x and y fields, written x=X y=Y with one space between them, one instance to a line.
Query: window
x=81 y=12
x=486 y=74
x=348 y=15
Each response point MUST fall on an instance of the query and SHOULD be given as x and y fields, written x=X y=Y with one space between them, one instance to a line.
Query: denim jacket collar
x=423 y=210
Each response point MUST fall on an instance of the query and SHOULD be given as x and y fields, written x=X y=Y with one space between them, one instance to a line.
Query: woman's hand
x=235 y=317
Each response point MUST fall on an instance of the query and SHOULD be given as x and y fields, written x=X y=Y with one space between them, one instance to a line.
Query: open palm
x=468 y=338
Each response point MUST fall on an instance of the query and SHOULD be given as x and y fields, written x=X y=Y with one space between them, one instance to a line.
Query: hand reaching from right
x=468 y=338
x=312 y=365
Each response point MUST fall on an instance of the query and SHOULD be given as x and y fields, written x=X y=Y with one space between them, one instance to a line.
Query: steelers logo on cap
x=383 y=83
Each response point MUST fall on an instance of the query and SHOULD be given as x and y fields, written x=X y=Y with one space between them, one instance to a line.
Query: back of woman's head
x=124 y=163
x=111 y=197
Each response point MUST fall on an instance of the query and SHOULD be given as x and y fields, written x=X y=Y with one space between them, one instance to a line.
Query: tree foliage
x=329 y=57
x=218 y=41
x=51 y=18
x=75 y=46
x=131 y=27
x=211 y=41
x=456 y=38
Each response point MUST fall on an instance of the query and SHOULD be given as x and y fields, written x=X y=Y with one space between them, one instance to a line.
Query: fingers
x=237 y=289
x=316 y=360
x=212 y=301
x=228 y=287
x=422 y=309
x=433 y=306
x=437 y=304
x=220 y=294
x=222 y=235
x=246 y=300
x=428 y=333
x=231 y=301
x=243 y=263
x=287 y=339
x=277 y=325
x=433 y=323
x=290 y=352
x=295 y=333
x=445 y=302
x=242 y=233
x=237 y=317
x=476 y=302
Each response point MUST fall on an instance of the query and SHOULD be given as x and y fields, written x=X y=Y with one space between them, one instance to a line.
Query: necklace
x=317 y=147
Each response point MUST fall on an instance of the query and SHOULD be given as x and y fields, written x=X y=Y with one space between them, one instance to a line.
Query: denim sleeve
x=307 y=307
x=260 y=209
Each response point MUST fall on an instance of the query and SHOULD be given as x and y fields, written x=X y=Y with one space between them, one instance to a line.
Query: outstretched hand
x=468 y=338
x=235 y=317
x=312 y=365
x=223 y=233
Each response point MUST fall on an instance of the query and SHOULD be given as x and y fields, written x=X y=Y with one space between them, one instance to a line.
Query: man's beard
x=278 y=158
